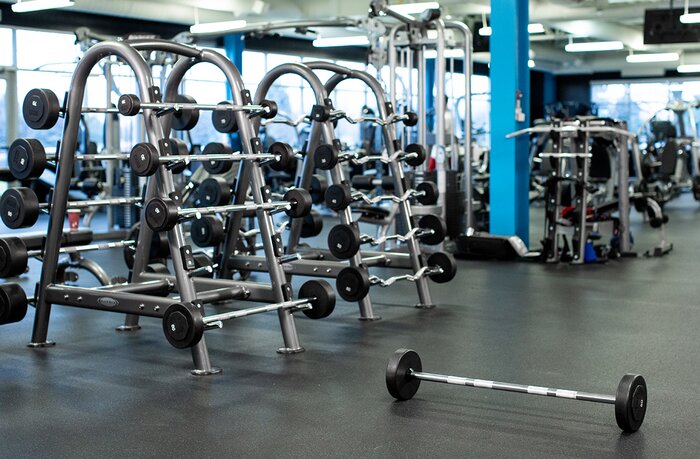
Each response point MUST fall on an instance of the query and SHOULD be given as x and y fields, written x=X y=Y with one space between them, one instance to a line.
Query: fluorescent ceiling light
x=593 y=46
x=690 y=18
x=452 y=53
x=36 y=5
x=531 y=28
x=414 y=8
x=652 y=57
x=535 y=28
x=212 y=27
x=688 y=68
x=530 y=63
x=357 y=40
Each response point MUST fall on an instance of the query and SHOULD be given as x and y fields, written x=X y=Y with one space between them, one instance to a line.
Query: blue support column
x=429 y=88
x=549 y=90
x=510 y=169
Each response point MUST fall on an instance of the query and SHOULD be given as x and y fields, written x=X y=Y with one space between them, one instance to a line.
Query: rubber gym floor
x=100 y=393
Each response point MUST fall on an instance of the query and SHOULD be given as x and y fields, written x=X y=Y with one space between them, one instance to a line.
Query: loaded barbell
x=184 y=324
x=404 y=374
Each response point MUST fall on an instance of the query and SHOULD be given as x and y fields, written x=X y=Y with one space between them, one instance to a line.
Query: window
x=637 y=101
x=7 y=47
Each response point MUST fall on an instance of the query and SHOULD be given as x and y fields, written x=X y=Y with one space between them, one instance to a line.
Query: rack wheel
x=400 y=384
x=343 y=241
x=631 y=402
x=352 y=283
x=183 y=325
x=187 y=118
x=13 y=303
x=324 y=302
x=41 y=109
x=446 y=262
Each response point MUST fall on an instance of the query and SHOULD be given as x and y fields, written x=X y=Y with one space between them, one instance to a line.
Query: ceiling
x=596 y=19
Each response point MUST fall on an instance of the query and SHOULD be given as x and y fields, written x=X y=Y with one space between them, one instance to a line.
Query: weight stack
x=454 y=202
x=126 y=184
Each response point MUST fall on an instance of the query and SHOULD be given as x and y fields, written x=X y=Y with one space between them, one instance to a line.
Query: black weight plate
x=324 y=302
x=159 y=248
x=183 y=325
x=161 y=214
x=187 y=118
x=207 y=231
x=411 y=119
x=631 y=402
x=387 y=183
x=319 y=184
x=13 y=303
x=325 y=157
x=420 y=152
x=434 y=223
x=444 y=261
x=312 y=225
x=129 y=104
x=19 y=207
x=343 y=241
x=26 y=159
x=41 y=109
x=430 y=191
x=144 y=159
x=300 y=200
x=224 y=121
x=270 y=109
x=217 y=167
x=401 y=386
x=214 y=191
x=352 y=283
x=202 y=260
x=286 y=154
x=338 y=197
x=13 y=257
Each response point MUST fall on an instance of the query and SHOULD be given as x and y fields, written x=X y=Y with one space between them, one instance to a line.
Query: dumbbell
x=224 y=121
x=27 y=158
x=14 y=255
x=20 y=207
x=184 y=324
x=404 y=374
x=158 y=250
x=162 y=214
x=352 y=283
x=344 y=240
x=339 y=196
x=213 y=191
x=13 y=303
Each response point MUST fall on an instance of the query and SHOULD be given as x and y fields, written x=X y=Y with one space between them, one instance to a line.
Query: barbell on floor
x=404 y=374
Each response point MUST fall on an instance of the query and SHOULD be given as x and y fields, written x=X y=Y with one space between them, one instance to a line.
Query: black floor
x=100 y=393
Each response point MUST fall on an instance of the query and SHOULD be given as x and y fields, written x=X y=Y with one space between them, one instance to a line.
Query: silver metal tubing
x=510 y=387
x=85 y=248
x=293 y=304
x=198 y=211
